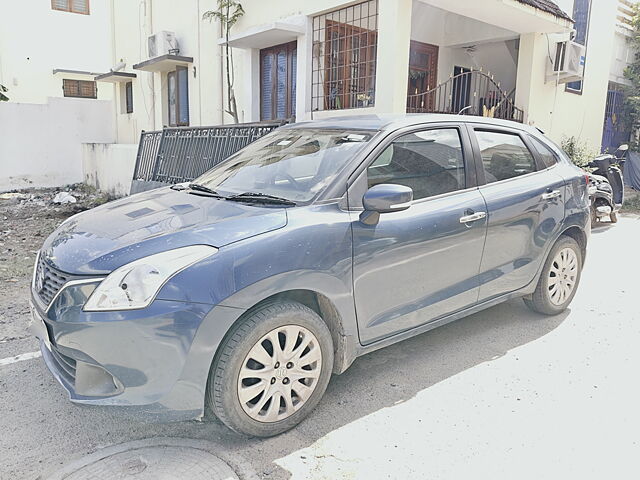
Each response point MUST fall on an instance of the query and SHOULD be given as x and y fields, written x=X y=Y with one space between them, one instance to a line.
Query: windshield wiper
x=201 y=188
x=261 y=198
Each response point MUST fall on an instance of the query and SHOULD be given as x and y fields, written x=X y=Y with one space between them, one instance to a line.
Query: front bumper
x=156 y=359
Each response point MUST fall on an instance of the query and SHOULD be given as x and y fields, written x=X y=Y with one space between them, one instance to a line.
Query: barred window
x=344 y=57
x=74 y=6
x=79 y=88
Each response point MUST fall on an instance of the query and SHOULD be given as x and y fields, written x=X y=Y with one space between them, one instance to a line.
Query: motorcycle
x=606 y=186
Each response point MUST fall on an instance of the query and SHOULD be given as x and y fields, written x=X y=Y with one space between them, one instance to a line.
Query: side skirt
x=385 y=342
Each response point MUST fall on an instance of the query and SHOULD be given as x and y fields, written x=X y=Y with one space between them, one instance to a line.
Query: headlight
x=136 y=284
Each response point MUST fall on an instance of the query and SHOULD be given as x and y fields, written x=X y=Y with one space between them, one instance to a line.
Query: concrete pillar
x=394 y=35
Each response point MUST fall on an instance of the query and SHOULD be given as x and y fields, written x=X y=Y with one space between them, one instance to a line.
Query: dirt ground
x=27 y=218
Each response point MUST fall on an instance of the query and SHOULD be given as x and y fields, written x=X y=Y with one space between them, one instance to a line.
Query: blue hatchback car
x=244 y=290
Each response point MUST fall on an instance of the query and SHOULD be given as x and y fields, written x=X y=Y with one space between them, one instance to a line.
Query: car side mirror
x=384 y=198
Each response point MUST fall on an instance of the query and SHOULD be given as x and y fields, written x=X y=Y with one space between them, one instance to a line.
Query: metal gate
x=180 y=154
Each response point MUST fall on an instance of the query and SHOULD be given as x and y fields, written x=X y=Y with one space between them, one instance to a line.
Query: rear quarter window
x=547 y=155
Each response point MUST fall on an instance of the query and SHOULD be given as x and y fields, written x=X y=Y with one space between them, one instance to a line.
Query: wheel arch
x=579 y=236
x=326 y=310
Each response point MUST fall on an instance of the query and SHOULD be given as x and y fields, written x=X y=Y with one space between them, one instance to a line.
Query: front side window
x=178 y=97
x=74 y=6
x=344 y=57
x=504 y=156
x=79 y=88
x=296 y=164
x=581 y=11
x=548 y=157
x=429 y=162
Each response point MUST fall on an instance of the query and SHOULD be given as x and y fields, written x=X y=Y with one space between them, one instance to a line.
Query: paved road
x=499 y=395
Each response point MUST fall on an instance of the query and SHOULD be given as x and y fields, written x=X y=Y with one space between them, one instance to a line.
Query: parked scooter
x=606 y=186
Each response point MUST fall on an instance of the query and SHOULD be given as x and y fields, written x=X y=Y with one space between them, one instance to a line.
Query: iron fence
x=469 y=93
x=180 y=154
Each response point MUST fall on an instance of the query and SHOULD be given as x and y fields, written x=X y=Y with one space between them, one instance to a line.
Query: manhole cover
x=161 y=459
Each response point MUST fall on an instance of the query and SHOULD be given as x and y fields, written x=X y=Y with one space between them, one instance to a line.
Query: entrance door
x=461 y=96
x=423 y=73
x=278 y=82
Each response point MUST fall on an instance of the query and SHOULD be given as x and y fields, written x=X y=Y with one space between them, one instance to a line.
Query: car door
x=525 y=207
x=420 y=264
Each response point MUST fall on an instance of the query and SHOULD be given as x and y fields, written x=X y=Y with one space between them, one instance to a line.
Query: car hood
x=102 y=239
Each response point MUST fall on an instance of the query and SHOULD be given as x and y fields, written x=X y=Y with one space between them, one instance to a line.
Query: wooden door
x=423 y=73
x=278 y=82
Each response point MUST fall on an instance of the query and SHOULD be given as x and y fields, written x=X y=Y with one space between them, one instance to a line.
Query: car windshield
x=295 y=164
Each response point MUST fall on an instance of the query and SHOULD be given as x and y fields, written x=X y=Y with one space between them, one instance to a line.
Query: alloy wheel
x=562 y=276
x=279 y=373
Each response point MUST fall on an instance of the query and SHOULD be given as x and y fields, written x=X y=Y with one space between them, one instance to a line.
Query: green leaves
x=228 y=13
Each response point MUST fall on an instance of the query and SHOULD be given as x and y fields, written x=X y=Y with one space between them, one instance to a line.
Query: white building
x=50 y=52
x=317 y=58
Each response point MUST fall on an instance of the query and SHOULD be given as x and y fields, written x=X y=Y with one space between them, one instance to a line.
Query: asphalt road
x=502 y=394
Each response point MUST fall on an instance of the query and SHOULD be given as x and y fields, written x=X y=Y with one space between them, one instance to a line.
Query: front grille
x=48 y=280
x=66 y=365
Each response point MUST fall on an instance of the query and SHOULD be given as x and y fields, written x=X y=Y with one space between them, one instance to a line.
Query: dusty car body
x=375 y=273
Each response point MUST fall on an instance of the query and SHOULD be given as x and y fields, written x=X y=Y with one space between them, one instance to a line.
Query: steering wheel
x=292 y=181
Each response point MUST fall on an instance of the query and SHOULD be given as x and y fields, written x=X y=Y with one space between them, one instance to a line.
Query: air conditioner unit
x=162 y=43
x=568 y=63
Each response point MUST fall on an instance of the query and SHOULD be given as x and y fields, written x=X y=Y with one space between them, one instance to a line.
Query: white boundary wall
x=109 y=167
x=41 y=144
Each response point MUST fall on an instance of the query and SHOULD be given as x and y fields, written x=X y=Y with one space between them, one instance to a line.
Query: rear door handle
x=551 y=195
x=473 y=217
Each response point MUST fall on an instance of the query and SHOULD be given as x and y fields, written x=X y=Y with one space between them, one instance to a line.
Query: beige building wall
x=35 y=40
x=550 y=107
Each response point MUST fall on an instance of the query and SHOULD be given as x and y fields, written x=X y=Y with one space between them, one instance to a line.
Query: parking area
x=504 y=393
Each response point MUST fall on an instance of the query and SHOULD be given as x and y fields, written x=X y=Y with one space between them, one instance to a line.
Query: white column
x=394 y=35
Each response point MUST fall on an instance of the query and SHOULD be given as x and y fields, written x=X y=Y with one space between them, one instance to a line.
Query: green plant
x=578 y=151
x=3 y=97
x=228 y=14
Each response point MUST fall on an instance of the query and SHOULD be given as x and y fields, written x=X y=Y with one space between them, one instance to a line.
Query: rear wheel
x=614 y=217
x=559 y=279
x=272 y=370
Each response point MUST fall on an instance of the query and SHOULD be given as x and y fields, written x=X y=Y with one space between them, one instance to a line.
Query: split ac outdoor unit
x=162 y=43
x=568 y=63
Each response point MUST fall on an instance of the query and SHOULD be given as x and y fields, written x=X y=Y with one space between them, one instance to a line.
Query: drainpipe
x=221 y=64
x=113 y=62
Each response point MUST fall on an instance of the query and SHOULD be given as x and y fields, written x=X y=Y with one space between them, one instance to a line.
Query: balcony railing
x=468 y=93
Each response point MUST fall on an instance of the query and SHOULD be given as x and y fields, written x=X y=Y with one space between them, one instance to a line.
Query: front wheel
x=613 y=216
x=272 y=370
x=559 y=279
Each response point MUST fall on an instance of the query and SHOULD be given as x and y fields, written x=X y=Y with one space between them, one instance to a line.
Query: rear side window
x=504 y=156
x=430 y=162
x=548 y=157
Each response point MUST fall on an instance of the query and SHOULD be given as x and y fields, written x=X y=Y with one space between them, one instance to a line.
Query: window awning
x=78 y=73
x=115 y=77
x=268 y=34
x=163 y=63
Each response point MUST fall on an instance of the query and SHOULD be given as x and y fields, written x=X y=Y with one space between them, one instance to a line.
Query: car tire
x=297 y=387
x=559 y=279
x=613 y=216
x=594 y=217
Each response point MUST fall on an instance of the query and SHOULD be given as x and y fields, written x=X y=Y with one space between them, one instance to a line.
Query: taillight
x=586 y=179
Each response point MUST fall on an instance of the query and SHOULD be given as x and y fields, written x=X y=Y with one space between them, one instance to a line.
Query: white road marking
x=19 y=358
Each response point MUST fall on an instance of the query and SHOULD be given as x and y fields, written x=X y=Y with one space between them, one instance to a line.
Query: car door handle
x=551 y=195
x=473 y=217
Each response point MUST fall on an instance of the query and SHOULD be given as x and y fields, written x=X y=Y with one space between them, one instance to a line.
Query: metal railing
x=469 y=93
x=180 y=154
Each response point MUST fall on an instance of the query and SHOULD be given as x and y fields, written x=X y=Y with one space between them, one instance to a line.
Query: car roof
x=390 y=122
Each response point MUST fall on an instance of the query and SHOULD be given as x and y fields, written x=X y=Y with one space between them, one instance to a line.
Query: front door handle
x=473 y=217
x=551 y=195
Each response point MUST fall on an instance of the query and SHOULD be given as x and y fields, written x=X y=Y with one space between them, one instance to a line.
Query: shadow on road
x=375 y=381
